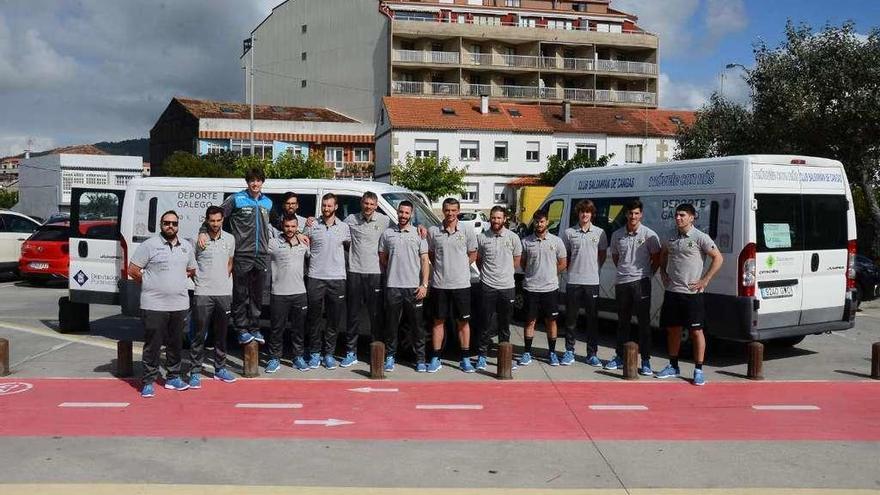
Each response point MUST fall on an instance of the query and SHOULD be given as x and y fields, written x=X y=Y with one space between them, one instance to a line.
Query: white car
x=474 y=219
x=15 y=228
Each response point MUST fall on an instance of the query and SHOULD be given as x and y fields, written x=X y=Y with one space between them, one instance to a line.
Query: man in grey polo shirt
x=681 y=268
x=544 y=258
x=587 y=247
x=163 y=264
x=289 y=205
x=635 y=250
x=403 y=254
x=498 y=254
x=212 y=298
x=289 y=303
x=452 y=250
x=326 y=283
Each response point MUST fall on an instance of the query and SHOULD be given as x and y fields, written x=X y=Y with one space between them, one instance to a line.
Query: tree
x=436 y=178
x=183 y=164
x=298 y=166
x=8 y=198
x=557 y=167
x=818 y=94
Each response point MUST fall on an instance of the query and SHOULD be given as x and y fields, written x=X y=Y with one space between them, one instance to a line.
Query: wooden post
x=251 y=359
x=875 y=361
x=4 y=357
x=630 y=361
x=124 y=365
x=377 y=360
x=505 y=361
x=756 y=361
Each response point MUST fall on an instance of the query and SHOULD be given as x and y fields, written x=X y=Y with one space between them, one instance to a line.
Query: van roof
x=203 y=183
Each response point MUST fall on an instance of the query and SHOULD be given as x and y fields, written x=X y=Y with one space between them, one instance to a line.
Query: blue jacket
x=249 y=223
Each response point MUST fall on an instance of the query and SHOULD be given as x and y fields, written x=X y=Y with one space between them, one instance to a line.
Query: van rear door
x=97 y=255
x=779 y=258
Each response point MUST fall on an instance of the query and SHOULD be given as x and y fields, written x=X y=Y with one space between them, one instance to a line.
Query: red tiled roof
x=209 y=109
x=79 y=149
x=428 y=114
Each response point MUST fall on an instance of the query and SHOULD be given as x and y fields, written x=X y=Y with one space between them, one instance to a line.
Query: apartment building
x=348 y=54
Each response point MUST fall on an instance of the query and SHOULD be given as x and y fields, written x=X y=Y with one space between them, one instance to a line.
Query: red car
x=45 y=255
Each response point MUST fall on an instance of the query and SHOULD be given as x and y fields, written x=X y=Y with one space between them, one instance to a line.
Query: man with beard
x=289 y=205
x=289 y=304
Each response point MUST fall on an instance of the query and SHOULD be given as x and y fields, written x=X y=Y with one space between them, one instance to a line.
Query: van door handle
x=83 y=249
x=814 y=262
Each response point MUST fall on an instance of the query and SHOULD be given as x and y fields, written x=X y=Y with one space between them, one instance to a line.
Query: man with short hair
x=288 y=301
x=499 y=252
x=635 y=251
x=289 y=204
x=451 y=251
x=162 y=264
x=681 y=268
x=403 y=254
x=212 y=298
x=586 y=245
x=544 y=258
x=326 y=282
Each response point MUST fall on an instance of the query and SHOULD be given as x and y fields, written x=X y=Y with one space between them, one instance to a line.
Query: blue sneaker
x=421 y=367
x=300 y=364
x=389 y=364
x=481 y=362
x=224 y=376
x=314 y=360
x=645 y=369
x=350 y=359
x=614 y=364
x=594 y=361
x=567 y=358
x=330 y=362
x=667 y=372
x=698 y=378
x=554 y=359
x=147 y=391
x=245 y=338
x=176 y=384
x=525 y=359
x=273 y=365
x=434 y=366
x=258 y=336
x=195 y=381
x=466 y=365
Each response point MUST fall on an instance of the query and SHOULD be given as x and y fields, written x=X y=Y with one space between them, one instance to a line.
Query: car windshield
x=421 y=214
x=467 y=216
x=51 y=233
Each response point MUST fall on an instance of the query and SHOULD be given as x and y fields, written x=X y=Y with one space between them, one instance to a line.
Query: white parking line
x=473 y=407
x=785 y=407
x=93 y=404
x=245 y=405
x=618 y=407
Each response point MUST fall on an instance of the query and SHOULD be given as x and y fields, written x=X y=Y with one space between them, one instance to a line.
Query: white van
x=98 y=264
x=785 y=225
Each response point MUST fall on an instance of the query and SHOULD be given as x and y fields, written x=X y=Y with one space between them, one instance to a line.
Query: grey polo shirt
x=404 y=249
x=685 y=259
x=212 y=276
x=496 y=252
x=452 y=268
x=542 y=256
x=363 y=255
x=288 y=260
x=277 y=227
x=634 y=252
x=583 y=248
x=328 y=249
x=165 y=284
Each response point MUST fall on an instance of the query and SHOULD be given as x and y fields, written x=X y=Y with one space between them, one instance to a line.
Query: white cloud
x=725 y=17
x=681 y=95
x=14 y=145
x=27 y=60
x=668 y=19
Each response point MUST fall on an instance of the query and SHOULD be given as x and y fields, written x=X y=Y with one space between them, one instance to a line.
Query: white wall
x=287 y=126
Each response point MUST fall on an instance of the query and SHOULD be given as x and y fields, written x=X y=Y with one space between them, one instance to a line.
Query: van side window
x=306 y=207
x=609 y=213
x=778 y=222
x=554 y=211
x=347 y=205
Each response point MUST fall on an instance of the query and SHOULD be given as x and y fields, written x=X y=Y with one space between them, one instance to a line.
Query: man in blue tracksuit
x=248 y=213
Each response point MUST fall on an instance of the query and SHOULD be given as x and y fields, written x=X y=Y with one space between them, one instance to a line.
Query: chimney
x=566 y=112
x=484 y=104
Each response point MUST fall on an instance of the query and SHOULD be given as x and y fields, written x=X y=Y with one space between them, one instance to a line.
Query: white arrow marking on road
x=93 y=404
x=246 y=405
x=785 y=407
x=323 y=422
x=450 y=406
x=367 y=390
x=618 y=407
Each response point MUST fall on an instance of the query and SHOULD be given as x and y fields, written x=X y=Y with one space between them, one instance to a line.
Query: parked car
x=14 y=230
x=474 y=219
x=45 y=255
x=867 y=278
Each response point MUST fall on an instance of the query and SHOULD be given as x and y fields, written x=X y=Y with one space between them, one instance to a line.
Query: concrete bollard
x=630 y=361
x=875 y=361
x=124 y=365
x=4 y=357
x=377 y=360
x=251 y=360
x=505 y=361
x=756 y=361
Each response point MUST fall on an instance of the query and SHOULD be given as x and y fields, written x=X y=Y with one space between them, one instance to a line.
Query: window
x=559 y=24
x=609 y=213
x=554 y=215
x=308 y=205
x=262 y=149
x=362 y=155
x=511 y=3
x=588 y=149
x=303 y=56
x=470 y=150
x=348 y=205
x=634 y=153
x=96 y=205
x=791 y=222
x=471 y=193
x=214 y=148
x=500 y=151
x=122 y=180
x=96 y=178
x=422 y=215
x=500 y=193
x=562 y=151
x=487 y=20
x=533 y=151
x=425 y=148
x=15 y=223
x=527 y=22
x=334 y=157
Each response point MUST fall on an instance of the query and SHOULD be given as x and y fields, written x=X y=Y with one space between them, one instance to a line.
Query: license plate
x=38 y=266
x=776 y=292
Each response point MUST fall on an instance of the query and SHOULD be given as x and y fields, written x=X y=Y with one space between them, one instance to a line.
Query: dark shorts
x=682 y=310
x=543 y=305
x=455 y=303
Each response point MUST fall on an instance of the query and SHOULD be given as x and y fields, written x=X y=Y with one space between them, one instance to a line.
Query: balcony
x=529 y=62
x=425 y=57
x=627 y=67
x=422 y=88
x=523 y=24
x=525 y=92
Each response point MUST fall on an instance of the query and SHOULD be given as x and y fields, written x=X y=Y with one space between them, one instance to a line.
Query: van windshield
x=422 y=215
x=793 y=222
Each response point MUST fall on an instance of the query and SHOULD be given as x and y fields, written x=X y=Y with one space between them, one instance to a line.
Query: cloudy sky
x=83 y=71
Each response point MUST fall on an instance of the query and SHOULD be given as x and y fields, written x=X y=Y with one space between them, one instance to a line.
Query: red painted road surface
x=846 y=411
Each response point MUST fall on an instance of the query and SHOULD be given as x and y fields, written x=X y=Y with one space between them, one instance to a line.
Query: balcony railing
x=423 y=56
x=613 y=96
x=443 y=88
x=525 y=92
x=623 y=66
x=477 y=89
x=524 y=62
x=408 y=87
x=523 y=24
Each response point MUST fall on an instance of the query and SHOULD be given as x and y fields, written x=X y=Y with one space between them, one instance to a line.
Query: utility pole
x=253 y=46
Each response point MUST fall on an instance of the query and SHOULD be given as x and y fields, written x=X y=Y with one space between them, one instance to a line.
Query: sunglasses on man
x=169 y=222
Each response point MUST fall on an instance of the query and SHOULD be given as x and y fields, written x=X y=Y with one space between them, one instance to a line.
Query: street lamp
x=728 y=67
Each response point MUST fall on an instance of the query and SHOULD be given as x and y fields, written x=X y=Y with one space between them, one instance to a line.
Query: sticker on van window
x=777 y=235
